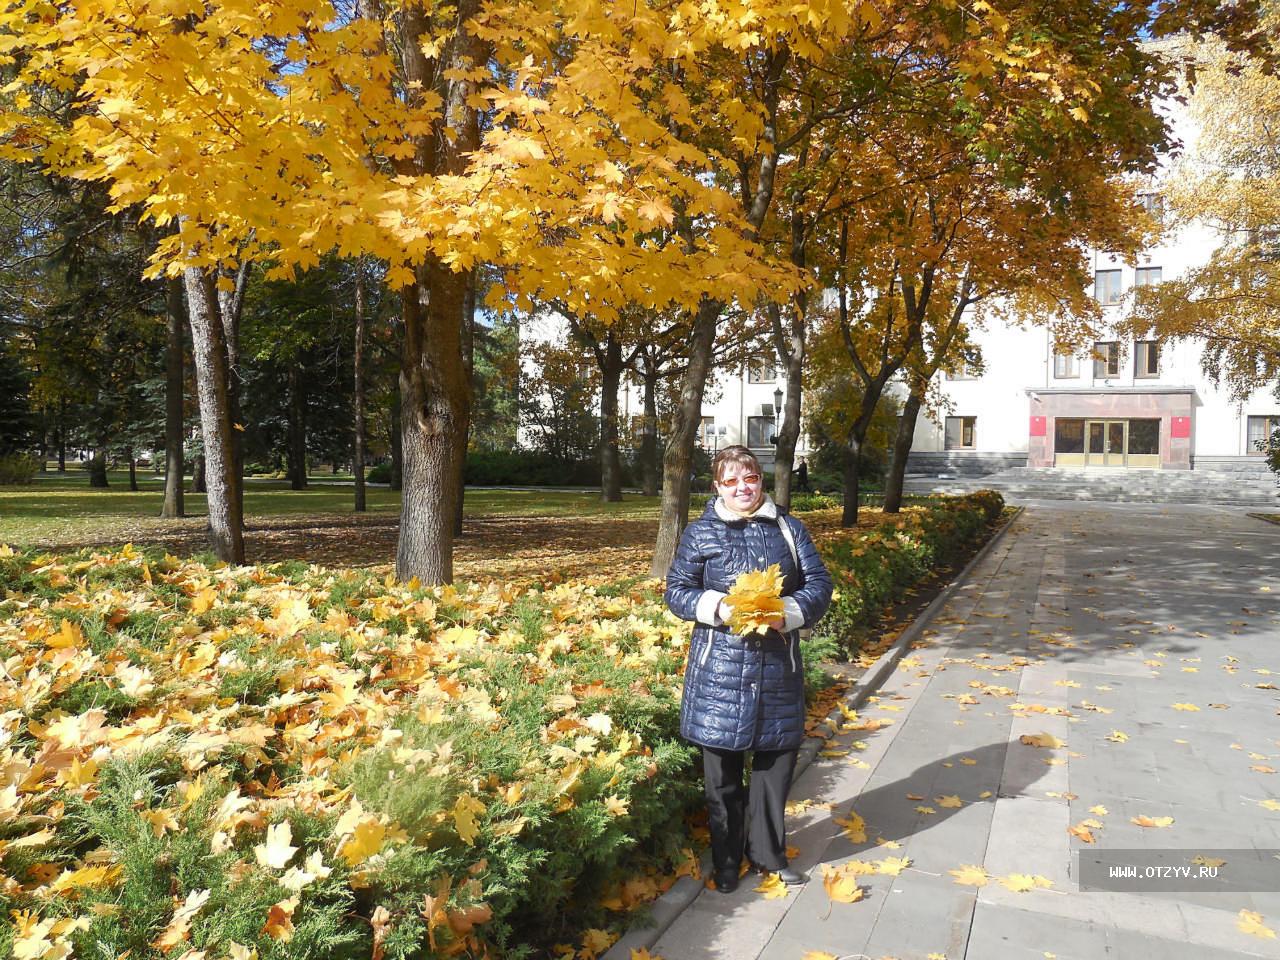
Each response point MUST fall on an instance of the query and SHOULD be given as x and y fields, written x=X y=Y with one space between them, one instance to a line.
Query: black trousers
x=748 y=819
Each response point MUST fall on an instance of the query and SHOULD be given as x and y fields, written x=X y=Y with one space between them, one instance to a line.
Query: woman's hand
x=777 y=623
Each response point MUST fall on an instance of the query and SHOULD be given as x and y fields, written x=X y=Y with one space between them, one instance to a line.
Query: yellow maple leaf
x=892 y=866
x=950 y=801
x=615 y=806
x=1269 y=804
x=1145 y=821
x=970 y=876
x=855 y=827
x=1099 y=809
x=365 y=840
x=772 y=887
x=278 y=850
x=841 y=883
x=1117 y=736
x=465 y=811
x=1041 y=740
x=1188 y=707
x=1022 y=882
x=1247 y=921
x=1203 y=861
x=1082 y=832
x=819 y=955
x=754 y=600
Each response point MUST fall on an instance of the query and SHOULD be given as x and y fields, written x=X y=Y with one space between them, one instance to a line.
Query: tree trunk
x=610 y=458
x=434 y=402
x=469 y=364
x=852 y=461
x=133 y=469
x=197 y=472
x=98 y=469
x=397 y=449
x=677 y=460
x=62 y=436
x=173 y=402
x=791 y=352
x=212 y=367
x=357 y=457
x=857 y=436
x=297 y=429
x=901 y=448
x=649 y=437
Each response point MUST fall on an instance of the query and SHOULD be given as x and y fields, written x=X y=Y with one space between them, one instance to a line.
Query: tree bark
x=469 y=365
x=901 y=448
x=610 y=457
x=856 y=437
x=62 y=436
x=649 y=436
x=230 y=304
x=357 y=456
x=133 y=469
x=677 y=460
x=212 y=367
x=98 y=469
x=197 y=472
x=297 y=429
x=790 y=345
x=434 y=405
x=173 y=402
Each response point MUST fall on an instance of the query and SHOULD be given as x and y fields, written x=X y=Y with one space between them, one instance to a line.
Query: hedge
x=875 y=568
x=313 y=763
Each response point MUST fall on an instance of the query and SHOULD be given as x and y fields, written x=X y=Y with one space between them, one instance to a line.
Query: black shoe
x=792 y=878
x=726 y=880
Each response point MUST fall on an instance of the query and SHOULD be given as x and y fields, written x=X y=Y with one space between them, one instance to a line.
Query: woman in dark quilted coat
x=745 y=693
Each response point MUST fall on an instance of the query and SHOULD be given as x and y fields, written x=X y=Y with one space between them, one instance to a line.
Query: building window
x=960 y=433
x=1106 y=359
x=705 y=430
x=759 y=431
x=1106 y=286
x=1262 y=430
x=1065 y=366
x=1153 y=204
x=963 y=369
x=1146 y=359
x=761 y=370
x=1144 y=437
x=1147 y=276
x=1068 y=436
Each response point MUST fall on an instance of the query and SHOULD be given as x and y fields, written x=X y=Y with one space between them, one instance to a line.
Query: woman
x=745 y=693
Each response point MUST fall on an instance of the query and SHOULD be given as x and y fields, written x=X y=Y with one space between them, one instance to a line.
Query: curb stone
x=664 y=910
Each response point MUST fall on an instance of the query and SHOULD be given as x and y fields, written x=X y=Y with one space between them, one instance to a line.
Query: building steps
x=1116 y=485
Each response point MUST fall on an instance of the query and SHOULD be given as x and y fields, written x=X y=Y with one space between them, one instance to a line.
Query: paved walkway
x=1086 y=625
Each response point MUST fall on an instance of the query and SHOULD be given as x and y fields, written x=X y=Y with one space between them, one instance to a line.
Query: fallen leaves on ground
x=1144 y=821
x=1250 y=922
x=970 y=876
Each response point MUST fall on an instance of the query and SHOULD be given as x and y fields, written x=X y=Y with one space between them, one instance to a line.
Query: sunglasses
x=750 y=480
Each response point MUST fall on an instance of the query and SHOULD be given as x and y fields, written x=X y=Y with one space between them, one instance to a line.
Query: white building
x=1116 y=403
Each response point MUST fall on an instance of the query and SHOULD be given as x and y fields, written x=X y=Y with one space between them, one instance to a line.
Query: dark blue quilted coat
x=744 y=693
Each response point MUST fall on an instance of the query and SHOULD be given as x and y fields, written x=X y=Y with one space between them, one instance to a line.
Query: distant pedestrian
x=802 y=476
x=745 y=693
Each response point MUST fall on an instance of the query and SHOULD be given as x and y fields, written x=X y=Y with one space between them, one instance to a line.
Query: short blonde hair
x=737 y=455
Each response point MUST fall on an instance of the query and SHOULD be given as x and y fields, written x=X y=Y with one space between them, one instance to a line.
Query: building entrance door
x=1106 y=442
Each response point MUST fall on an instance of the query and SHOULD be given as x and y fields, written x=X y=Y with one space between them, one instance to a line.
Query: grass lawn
x=65 y=509
x=513 y=534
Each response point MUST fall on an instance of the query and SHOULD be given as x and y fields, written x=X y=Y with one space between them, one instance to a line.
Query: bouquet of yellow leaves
x=754 y=600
